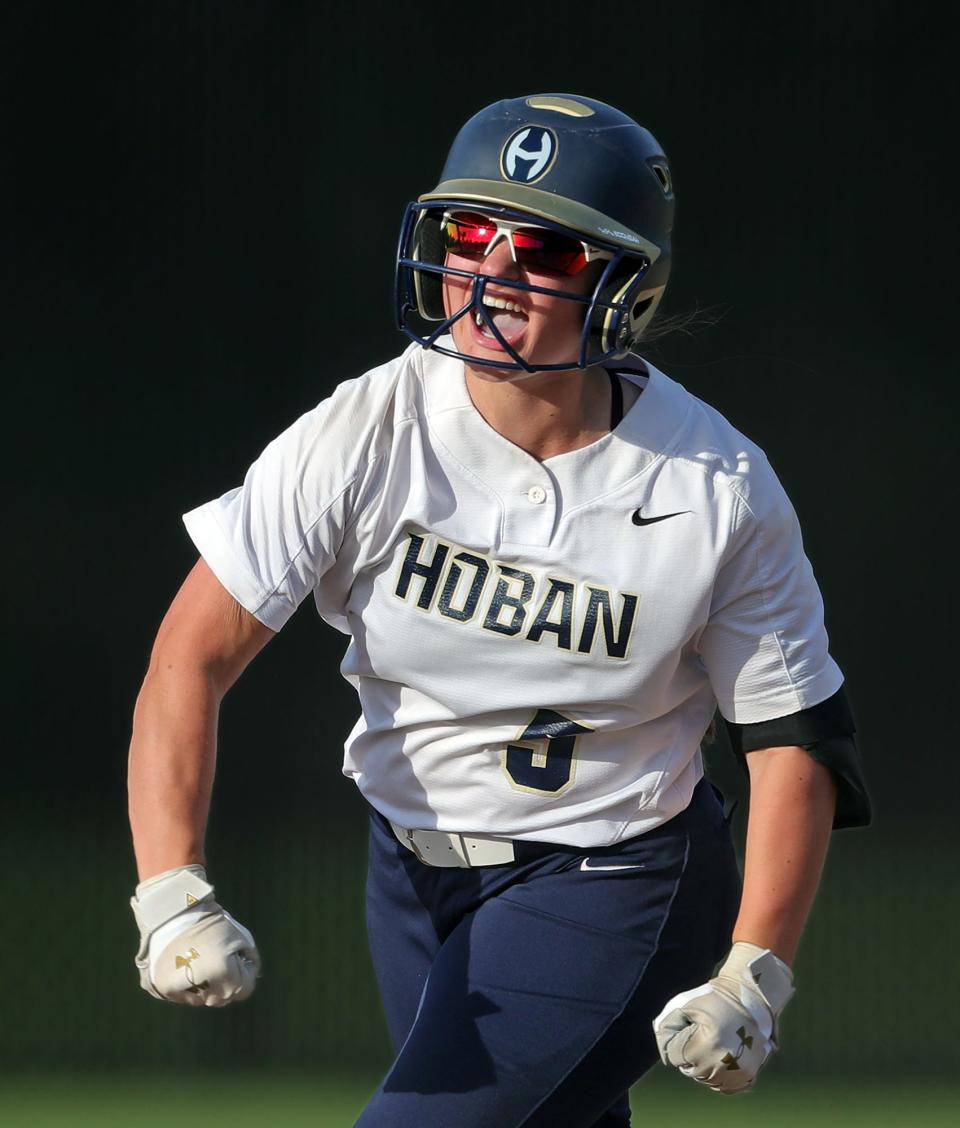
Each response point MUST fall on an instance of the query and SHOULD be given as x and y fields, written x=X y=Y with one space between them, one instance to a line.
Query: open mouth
x=508 y=316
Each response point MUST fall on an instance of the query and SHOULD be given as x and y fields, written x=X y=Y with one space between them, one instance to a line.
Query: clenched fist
x=721 y=1033
x=191 y=950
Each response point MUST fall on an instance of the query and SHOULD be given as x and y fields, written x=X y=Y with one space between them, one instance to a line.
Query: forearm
x=171 y=768
x=792 y=800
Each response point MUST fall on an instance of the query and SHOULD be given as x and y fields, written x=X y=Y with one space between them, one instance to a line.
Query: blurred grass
x=245 y=1101
x=82 y=1008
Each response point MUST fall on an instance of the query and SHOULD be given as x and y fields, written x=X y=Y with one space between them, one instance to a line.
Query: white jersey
x=538 y=647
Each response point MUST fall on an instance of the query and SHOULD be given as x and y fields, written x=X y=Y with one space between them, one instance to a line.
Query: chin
x=499 y=375
x=472 y=347
x=503 y=375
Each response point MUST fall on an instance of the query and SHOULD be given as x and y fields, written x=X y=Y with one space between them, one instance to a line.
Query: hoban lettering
x=464 y=587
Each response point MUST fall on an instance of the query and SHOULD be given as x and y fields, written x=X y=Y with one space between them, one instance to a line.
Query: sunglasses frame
x=507 y=228
x=407 y=305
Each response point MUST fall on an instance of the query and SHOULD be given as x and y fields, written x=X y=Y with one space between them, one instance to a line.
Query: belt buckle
x=440 y=848
x=434 y=847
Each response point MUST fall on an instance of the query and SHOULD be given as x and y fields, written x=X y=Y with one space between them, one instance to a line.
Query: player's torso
x=524 y=633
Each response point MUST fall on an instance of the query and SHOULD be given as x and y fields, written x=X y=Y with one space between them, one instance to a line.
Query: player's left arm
x=792 y=804
x=764 y=647
x=722 y=1032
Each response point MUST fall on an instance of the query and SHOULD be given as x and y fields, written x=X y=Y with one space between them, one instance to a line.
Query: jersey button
x=537 y=495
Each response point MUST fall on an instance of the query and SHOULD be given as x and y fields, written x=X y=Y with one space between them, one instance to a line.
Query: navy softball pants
x=523 y=994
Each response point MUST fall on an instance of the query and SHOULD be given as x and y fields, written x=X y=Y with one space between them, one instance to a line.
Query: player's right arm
x=204 y=643
x=265 y=546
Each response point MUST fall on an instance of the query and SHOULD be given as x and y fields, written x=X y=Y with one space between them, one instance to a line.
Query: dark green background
x=201 y=204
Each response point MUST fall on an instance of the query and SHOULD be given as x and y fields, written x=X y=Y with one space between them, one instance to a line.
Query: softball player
x=553 y=564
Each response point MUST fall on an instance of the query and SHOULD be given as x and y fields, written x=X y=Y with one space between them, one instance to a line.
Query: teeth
x=494 y=303
x=501 y=303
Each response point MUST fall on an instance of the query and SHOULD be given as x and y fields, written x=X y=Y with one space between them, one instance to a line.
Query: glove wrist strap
x=165 y=896
x=766 y=973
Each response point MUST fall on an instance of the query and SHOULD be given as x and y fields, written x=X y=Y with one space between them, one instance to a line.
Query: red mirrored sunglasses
x=473 y=235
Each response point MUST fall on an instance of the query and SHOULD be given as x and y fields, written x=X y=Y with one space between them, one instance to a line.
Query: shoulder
x=382 y=391
x=360 y=417
x=707 y=444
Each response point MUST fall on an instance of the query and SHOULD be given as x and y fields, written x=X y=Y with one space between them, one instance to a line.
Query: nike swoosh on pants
x=589 y=869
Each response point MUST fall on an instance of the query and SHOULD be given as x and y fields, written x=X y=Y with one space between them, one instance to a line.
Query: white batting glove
x=721 y=1033
x=191 y=950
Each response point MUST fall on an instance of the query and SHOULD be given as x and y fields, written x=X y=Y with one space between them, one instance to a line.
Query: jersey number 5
x=542 y=758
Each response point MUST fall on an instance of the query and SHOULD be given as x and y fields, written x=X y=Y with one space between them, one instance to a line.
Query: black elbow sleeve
x=827 y=731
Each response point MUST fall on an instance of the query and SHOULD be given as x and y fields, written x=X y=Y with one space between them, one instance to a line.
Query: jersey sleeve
x=765 y=646
x=270 y=540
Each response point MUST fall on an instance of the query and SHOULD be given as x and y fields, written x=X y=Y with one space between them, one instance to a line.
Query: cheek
x=559 y=314
x=559 y=311
x=456 y=289
x=585 y=282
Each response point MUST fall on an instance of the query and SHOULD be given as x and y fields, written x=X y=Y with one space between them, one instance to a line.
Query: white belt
x=438 y=848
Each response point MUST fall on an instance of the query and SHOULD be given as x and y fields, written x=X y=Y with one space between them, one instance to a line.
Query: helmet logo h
x=528 y=154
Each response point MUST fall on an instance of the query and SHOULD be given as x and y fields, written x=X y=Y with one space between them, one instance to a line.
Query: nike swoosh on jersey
x=638 y=520
x=585 y=865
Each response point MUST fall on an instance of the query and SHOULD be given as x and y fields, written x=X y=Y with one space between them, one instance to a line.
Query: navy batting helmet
x=567 y=163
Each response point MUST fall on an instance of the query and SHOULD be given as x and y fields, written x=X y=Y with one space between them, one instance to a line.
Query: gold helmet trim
x=545 y=205
x=560 y=105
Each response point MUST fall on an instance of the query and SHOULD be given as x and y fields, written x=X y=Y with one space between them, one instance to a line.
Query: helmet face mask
x=422 y=267
x=573 y=166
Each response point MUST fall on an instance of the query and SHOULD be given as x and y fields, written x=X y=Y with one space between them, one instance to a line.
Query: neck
x=544 y=413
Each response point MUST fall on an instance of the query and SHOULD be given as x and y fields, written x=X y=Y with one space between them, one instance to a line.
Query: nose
x=499 y=260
